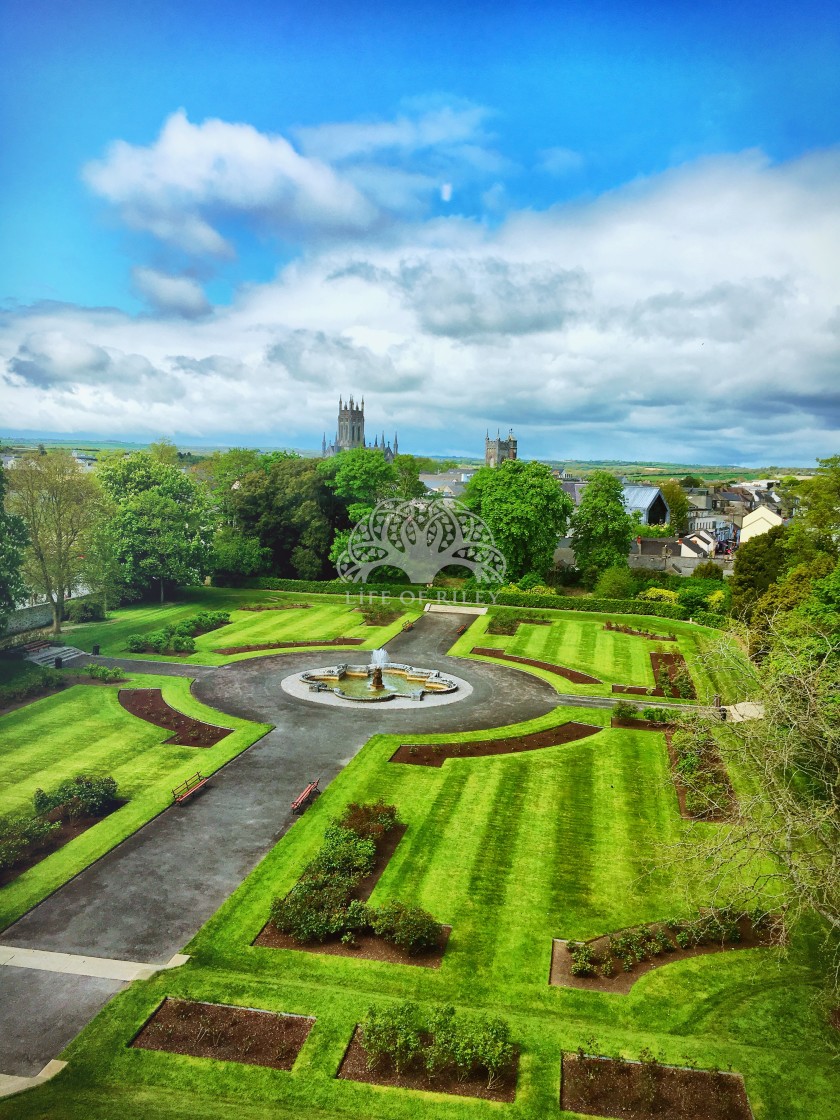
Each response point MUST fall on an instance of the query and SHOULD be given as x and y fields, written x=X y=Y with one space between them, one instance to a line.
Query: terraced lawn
x=511 y=851
x=84 y=730
x=326 y=618
x=579 y=641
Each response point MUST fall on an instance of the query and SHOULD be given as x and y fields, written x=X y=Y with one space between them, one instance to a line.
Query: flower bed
x=647 y=1090
x=60 y=816
x=435 y=754
x=703 y=788
x=615 y=961
x=179 y=638
x=671 y=675
x=499 y=624
x=437 y=1050
x=617 y=628
x=225 y=1032
x=149 y=704
x=277 y=607
x=326 y=911
x=559 y=670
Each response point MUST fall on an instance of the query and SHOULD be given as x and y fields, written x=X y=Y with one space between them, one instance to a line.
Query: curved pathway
x=148 y=896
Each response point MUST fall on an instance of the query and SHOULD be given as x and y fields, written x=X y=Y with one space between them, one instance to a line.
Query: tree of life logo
x=421 y=536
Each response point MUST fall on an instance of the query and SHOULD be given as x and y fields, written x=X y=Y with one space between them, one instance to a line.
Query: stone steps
x=46 y=656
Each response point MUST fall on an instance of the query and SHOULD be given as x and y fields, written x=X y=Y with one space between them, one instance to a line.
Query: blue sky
x=612 y=225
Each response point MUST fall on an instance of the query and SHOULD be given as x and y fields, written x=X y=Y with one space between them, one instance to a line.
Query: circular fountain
x=377 y=682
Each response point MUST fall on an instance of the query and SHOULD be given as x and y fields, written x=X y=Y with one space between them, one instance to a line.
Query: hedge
x=502 y=598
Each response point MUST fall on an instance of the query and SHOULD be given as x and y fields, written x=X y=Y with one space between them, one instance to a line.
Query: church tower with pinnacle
x=350 y=433
x=497 y=450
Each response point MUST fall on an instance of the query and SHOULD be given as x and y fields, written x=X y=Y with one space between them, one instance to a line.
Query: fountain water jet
x=378 y=659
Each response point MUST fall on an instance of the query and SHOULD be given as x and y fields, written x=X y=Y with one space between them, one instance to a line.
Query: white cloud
x=171 y=295
x=692 y=315
x=176 y=187
x=560 y=161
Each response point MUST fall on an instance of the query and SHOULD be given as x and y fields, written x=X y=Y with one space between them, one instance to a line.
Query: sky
x=613 y=227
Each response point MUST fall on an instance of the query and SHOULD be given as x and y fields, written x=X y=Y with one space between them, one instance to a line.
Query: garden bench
x=186 y=789
x=303 y=799
x=463 y=629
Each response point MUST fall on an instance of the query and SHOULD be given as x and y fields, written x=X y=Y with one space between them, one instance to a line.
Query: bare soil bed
x=435 y=754
x=511 y=626
x=226 y=1033
x=354 y=1068
x=596 y=1086
x=149 y=704
x=640 y=724
x=675 y=665
x=290 y=645
x=559 y=670
x=277 y=607
x=621 y=981
x=67 y=830
x=618 y=629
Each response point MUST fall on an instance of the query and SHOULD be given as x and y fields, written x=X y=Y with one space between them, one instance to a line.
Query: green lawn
x=511 y=851
x=579 y=641
x=84 y=730
x=327 y=617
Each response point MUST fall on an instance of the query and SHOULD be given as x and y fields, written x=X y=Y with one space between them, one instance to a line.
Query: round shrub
x=408 y=927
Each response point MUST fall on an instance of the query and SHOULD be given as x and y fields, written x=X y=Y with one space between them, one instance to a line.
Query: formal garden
x=463 y=922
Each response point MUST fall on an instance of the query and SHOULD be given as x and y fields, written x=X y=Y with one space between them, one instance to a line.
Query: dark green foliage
x=408 y=927
x=602 y=530
x=758 y=563
x=708 y=793
x=708 y=570
x=446 y=1041
x=103 y=673
x=22 y=836
x=84 y=610
x=525 y=509
x=615 y=583
x=82 y=796
x=13 y=540
x=33 y=682
x=370 y=821
x=177 y=638
x=321 y=904
x=623 y=710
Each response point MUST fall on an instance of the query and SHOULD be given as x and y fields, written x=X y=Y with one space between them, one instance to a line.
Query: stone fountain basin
x=350 y=682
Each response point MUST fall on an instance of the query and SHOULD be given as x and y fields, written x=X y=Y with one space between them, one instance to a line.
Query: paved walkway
x=145 y=899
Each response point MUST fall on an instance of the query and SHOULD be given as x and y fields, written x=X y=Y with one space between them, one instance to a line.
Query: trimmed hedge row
x=502 y=598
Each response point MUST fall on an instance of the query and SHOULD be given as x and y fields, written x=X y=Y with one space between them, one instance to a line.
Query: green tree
x=235 y=557
x=678 y=504
x=758 y=563
x=407 y=483
x=165 y=451
x=615 y=583
x=691 y=482
x=13 y=541
x=101 y=569
x=162 y=522
x=602 y=529
x=59 y=504
x=525 y=509
x=362 y=477
x=816 y=526
x=294 y=514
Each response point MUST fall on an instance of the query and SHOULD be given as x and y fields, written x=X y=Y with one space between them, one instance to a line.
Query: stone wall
x=29 y=618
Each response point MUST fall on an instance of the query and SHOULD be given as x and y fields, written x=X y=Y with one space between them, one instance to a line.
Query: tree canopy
x=59 y=504
x=678 y=504
x=13 y=540
x=525 y=509
x=602 y=529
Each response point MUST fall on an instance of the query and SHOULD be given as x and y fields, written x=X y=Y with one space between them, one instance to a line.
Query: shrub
x=82 y=796
x=369 y=821
x=103 y=673
x=20 y=836
x=623 y=709
x=345 y=854
x=135 y=643
x=408 y=927
x=657 y=595
x=394 y=1031
x=615 y=583
x=84 y=610
x=584 y=961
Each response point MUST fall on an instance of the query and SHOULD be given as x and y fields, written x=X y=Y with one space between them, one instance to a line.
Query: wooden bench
x=463 y=629
x=303 y=799
x=185 y=790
